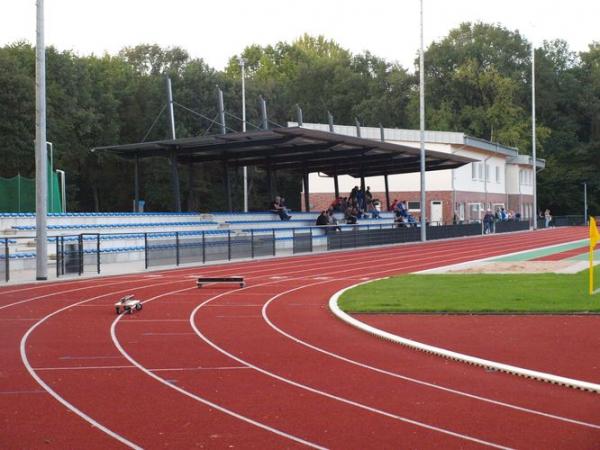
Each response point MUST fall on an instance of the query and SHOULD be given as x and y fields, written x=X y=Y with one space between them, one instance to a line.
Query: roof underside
x=297 y=149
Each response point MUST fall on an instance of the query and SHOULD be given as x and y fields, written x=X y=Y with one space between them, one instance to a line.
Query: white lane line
x=461 y=357
x=323 y=393
x=185 y=369
x=47 y=388
x=421 y=382
x=166 y=334
x=197 y=397
x=165 y=369
x=68 y=358
x=236 y=317
x=37 y=391
x=83 y=368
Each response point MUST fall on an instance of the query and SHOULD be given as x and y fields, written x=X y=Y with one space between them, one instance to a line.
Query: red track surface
x=564 y=255
x=263 y=367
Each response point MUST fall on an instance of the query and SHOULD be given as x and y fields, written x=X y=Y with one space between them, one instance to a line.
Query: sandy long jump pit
x=563 y=266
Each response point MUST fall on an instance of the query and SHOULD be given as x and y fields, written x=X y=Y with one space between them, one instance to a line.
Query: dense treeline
x=478 y=81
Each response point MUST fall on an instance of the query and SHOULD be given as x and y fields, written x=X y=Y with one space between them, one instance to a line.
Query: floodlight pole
x=243 y=66
x=422 y=132
x=533 y=137
x=41 y=162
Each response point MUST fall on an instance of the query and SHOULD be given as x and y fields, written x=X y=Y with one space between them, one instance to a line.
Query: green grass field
x=520 y=293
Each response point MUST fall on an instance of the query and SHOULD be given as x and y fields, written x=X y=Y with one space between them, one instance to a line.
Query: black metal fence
x=87 y=253
x=561 y=221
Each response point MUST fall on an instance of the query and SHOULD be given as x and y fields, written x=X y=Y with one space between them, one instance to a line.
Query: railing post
x=6 y=261
x=62 y=255
x=146 y=250
x=354 y=228
x=311 y=239
x=229 y=245
x=274 y=242
x=177 y=248
x=252 y=243
x=203 y=247
x=80 y=254
x=98 y=252
x=57 y=257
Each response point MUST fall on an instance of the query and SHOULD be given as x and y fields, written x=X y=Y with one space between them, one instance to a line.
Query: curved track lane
x=268 y=366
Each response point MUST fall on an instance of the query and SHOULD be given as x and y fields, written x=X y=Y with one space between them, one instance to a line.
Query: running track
x=266 y=366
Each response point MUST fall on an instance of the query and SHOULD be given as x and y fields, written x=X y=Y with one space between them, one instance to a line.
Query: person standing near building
x=488 y=220
x=547 y=217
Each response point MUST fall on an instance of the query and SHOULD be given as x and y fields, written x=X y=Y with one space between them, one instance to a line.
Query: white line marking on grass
x=327 y=394
x=507 y=368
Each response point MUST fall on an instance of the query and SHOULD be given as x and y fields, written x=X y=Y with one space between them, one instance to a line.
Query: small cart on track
x=127 y=304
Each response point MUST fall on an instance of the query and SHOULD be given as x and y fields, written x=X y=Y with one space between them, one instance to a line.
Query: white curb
x=472 y=360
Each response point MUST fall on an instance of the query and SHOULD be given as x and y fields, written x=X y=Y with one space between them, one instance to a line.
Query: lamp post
x=533 y=135
x=41 y=162
x=243 y=66
x=422 y=132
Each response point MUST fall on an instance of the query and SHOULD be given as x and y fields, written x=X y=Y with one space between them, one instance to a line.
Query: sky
x=216 y=30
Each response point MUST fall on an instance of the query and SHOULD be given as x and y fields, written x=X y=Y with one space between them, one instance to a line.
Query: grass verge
x=518 y=293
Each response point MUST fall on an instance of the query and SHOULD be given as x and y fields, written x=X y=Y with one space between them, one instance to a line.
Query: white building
x=501 y=178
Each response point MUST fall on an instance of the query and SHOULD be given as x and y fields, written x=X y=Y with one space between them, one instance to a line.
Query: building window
x=480 y=170
x=487 y=172
x=497 y=174
x=474 y=171
x=414 y=206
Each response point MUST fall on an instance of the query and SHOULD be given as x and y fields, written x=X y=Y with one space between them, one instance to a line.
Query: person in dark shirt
x=323 y=219
x=278 y=208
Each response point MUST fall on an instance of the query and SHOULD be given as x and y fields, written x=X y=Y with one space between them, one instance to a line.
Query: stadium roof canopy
x=294 y=148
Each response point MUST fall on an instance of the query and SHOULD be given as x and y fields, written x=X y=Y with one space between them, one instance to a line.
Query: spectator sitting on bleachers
x=392 y=207
x=333 y=221
x=323 y=219
x=375 y=208
x=278 y=207
x=399 y=222
x=351 y=215
x=401 y=209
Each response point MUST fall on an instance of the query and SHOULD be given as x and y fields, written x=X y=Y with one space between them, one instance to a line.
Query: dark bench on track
x=203 y=280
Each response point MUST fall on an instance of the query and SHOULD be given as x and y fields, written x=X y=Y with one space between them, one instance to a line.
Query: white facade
x=499 y=173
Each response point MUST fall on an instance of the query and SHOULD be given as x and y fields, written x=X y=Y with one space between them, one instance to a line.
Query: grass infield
x=518 y=293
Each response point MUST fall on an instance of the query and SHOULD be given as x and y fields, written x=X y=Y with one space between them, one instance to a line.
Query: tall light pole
x=41 y=155
x=243 y=66
x=422 y=133
x=533 y=137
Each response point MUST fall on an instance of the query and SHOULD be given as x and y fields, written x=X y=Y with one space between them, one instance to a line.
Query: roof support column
x=306 y=191
x=336 y=185
x=270 y=182
x=175 y=182
x=263 y=113
x=136 y=184
x=227 y=181
x=387 y=192
x=330 y=120
x=190 y=198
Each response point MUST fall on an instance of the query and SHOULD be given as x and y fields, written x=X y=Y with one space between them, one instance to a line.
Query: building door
x=437 y=215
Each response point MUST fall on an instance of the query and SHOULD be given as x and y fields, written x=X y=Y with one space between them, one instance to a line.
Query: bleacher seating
x=122 y=235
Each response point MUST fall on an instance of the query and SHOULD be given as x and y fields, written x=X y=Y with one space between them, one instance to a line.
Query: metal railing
x=83 y=253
